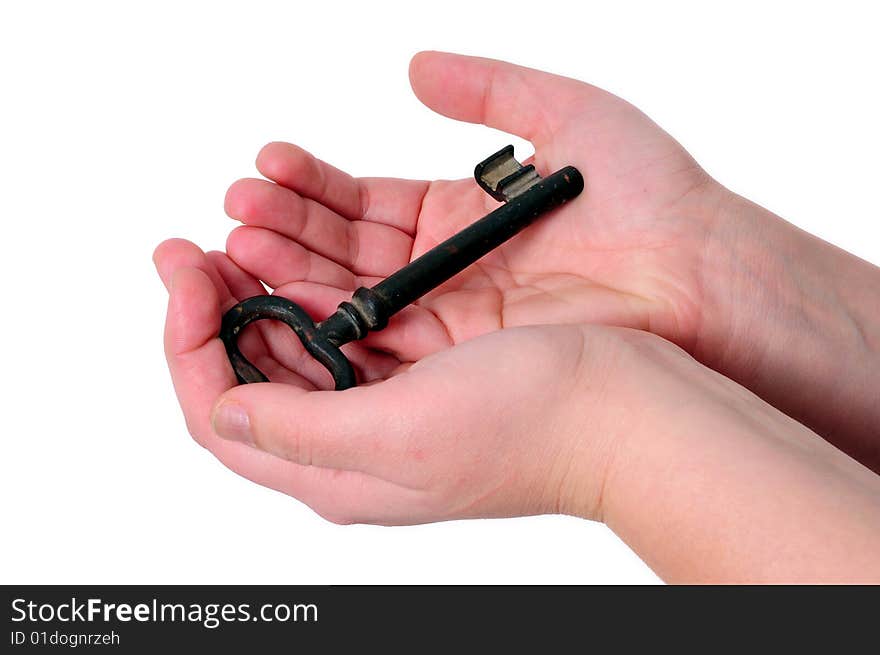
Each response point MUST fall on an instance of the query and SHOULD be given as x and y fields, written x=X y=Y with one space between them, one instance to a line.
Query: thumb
x=347 y=430
x=521 y=101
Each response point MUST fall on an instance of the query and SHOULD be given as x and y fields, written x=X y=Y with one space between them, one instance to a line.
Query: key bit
x=526 y=195
x=503 y=177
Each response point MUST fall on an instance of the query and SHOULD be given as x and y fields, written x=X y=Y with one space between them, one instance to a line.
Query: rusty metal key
x=526 y=196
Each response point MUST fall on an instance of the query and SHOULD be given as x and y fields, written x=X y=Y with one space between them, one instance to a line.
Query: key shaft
x=371 y=308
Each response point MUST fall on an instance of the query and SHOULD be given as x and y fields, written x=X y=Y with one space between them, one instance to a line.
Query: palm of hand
x=627 y=252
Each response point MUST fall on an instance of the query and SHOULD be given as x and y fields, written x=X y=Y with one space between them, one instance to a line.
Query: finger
x=382 y=200
x=339 y=496
x=196 y=357
x=522 y=101
x=299 y=170
x=277 y=260
x=174 y=254
x=240 y=286
x=240 y=283
x=253 y=341
x=349 y=430
x=363 y=247
x=399 y=429
x=393 y=201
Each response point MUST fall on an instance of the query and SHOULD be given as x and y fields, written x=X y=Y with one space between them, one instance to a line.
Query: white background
x=122 y=124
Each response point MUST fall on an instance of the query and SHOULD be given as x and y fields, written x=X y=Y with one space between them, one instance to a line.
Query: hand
x=628 y=252
x=653 y=243
x=391 y=452
x=394 y=453
x=704 y=480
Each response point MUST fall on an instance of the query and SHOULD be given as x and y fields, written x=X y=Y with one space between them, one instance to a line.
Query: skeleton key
x=526 y=196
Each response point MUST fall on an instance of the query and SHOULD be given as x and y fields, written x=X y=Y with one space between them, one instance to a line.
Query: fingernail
x=231 y=422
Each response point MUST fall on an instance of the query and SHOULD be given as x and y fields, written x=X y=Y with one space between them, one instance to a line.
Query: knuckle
x=294 y=447
x=648 y=347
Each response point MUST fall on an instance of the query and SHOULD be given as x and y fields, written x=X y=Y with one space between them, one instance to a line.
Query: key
x=526 y=195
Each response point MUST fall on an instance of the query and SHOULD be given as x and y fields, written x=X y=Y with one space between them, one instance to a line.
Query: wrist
x=748 y=290
x=707 y=483
x=788 y=315
x=626 y=393
x=590 y=419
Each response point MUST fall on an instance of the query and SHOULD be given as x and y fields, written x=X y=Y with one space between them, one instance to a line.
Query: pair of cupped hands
x=590 y=366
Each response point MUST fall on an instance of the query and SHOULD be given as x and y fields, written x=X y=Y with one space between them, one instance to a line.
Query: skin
x=615 y=309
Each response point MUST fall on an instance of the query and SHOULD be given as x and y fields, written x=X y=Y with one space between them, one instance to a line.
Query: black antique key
x=526 y=196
